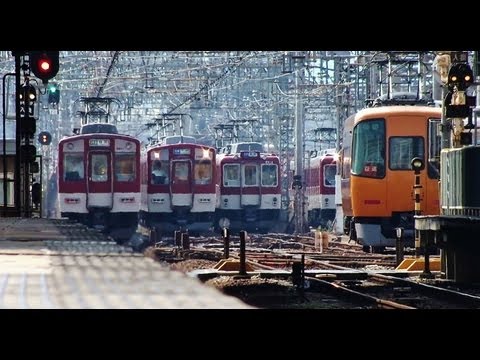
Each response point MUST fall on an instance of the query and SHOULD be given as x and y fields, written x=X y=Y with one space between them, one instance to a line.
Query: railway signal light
x=460 y=76
x=27 y=96
x=45 y=138
x=28 y=125
x=53 y=93
x=44 y=64
x=35 y=167
x=28 y=93
x=417 y=165
x=28 y=153
x=457 y=103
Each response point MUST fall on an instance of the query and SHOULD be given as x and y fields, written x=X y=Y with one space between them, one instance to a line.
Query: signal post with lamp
x=43 y=65
x=420 y=241
x=27 y=97
x=457 y=228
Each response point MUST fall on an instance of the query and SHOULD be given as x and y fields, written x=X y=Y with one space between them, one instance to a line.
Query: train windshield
x=125 y=167
x=73 y=169
x=181 y=171
x=99 y=168
x=250 y=175
x=231 y=175
x=160 y=172
x=330 y=171
x=368 y=150
x=203 y=171
x=403 y=149
x=269 y=175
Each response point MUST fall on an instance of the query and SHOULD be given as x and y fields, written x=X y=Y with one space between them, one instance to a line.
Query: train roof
x=95 y=128
x=179 y=139
x=327 y=152
x=95 y=135
x=326 y=158
x=162 y=145
x=398 y=110
x=399 y=98
x=236 y=148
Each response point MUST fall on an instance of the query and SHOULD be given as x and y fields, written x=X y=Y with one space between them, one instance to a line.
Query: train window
x=10 y=167
x=329 y=171
x=368 y=150
x=9 y=180
x=125 y=167
x=99 y=167
x=231 y=175
x=435 y=145
x=403 y=149
x=160 y=172
x=73 y=169
x=269 y=175
x=203 y=172
x=180 y=171
x=251 y=175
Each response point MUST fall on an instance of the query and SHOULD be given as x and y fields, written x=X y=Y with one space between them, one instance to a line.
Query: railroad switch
x=418 y=264
x=231 y=265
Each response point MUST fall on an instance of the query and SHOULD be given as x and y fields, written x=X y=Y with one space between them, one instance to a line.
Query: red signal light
x=44 y=64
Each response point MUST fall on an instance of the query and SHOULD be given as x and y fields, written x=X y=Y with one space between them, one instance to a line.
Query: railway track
x=340 y=273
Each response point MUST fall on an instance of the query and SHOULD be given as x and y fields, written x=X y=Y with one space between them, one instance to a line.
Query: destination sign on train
x=99 y=142
x=181 y=151
x=250 y=154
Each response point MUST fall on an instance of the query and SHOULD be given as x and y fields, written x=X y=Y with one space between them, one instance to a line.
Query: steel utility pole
x=18 y=199
x=299 y=200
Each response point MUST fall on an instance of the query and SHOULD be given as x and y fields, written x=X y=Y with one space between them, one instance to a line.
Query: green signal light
x=53 y=93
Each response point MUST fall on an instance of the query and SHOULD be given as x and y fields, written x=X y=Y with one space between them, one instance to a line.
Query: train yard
x=287 y=271
x=57 y=263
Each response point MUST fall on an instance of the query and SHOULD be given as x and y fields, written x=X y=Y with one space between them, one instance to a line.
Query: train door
x=250 y=195
x=99 y=180
x=181 y=185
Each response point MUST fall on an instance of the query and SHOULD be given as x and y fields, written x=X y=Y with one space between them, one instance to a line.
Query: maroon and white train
x=249 y=188
x=178 y=186
x=99 y=179
x=320 y=174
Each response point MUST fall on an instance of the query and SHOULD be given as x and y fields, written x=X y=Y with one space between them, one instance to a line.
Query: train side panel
x=320 y=189
x=344 y=163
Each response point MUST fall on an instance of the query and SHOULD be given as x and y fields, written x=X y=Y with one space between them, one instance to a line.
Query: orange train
x=376 y=175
